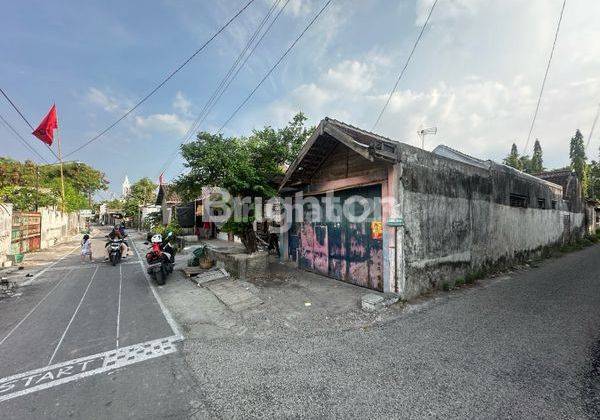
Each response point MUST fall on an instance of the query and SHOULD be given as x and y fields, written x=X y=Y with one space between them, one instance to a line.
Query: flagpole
x=62 y=178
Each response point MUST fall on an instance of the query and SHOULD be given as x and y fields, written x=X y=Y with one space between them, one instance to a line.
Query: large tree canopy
x=244 y=166
x=28 y=185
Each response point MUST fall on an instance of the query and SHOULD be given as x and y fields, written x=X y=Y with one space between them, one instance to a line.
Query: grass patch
x=446 y=286
x=459 y=282
x=473 y=276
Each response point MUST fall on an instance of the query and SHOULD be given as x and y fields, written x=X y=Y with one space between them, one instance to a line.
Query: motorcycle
x=160 y=258
x=114 y=250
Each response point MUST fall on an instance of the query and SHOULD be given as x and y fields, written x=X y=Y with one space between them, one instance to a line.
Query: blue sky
x=475 y=76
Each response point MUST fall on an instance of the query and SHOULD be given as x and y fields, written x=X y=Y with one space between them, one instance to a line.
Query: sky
x=476 y=74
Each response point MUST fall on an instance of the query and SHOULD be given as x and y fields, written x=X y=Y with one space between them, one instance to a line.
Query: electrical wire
x=16 y=108
x=537 y=107
x=387 y=102
x=292 y=45
x=228 y=77
x=20 y=138
x=593 y=127
x=162 y=83
x=227 y=80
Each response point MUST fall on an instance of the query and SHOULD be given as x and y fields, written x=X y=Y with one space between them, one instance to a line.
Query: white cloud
x=107 y=101
x=299 y=7
x=161 y=123
x=181 y=103
x=352 y=76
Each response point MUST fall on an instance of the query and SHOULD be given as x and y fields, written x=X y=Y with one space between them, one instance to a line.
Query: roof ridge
x=333 y=120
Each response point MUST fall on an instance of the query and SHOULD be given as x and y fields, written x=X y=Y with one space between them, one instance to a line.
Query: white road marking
x=72 y=317
x=86 y=265
x=50 y=376
x=31 y=280
x=119 y=307
x=34 y=308
x=167 y=314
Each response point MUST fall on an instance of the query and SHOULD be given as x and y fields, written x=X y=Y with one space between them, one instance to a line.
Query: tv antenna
x=422 y=132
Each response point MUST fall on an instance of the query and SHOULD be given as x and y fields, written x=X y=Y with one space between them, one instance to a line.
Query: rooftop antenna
x=422 y=132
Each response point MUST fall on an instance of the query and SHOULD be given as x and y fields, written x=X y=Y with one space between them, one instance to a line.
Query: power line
x=220 y=88
x=162 y=83
x=292 y=45
x=229 y=78
x=593 y=127
x=537 y=107
x=387 y=102
x=21 y=139
x=16 y=108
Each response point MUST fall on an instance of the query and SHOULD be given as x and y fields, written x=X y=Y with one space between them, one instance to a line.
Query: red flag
x=45 y=131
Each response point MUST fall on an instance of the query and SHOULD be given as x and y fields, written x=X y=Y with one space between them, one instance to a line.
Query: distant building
x=126 y=187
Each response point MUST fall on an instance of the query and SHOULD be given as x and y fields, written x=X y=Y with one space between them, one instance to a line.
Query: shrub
x=459 y=282
x=473 y=276
x=446 y=286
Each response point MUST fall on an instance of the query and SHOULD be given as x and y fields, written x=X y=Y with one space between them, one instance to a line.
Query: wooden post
x=62 y=178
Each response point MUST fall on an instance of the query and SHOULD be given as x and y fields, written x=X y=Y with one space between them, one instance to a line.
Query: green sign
x=395 y=221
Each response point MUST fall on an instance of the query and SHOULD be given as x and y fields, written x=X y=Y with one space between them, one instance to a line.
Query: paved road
x=527 y=346
x=91 y=341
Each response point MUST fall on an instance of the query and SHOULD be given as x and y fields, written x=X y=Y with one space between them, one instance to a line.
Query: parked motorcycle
x=161 y=258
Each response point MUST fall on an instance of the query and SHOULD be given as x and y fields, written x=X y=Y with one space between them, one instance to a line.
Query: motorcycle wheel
x=113 y=259
x=162 y=276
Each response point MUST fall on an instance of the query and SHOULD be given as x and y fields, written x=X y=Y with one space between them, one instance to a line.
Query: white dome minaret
x=126 y=188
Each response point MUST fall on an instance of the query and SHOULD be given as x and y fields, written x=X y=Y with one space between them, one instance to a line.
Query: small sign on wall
x=376 y=229
x=395 y=222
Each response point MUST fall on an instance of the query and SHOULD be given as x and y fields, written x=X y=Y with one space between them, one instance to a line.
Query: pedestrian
x=86 y=247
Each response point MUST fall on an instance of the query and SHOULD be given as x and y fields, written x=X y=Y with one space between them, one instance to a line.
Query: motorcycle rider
x=116 y=234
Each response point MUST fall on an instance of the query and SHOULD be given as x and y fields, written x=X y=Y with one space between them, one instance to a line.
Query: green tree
x=525 y=164
x=537 y=161
x=82 y=177
x=27 y=198
x=513 y=160
x=244 y=166
x=579 y=160
x=143 y=191
x=593 y=190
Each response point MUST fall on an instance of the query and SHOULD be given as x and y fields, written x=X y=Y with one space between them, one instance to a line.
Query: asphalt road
x=89 y=340
x=92 y=341
x=527 y=346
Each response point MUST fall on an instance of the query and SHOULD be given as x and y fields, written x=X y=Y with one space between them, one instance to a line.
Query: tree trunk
x=249 y=239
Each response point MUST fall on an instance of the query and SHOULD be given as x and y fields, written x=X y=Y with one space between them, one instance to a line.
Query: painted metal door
x=26 y=232
x=347 y=250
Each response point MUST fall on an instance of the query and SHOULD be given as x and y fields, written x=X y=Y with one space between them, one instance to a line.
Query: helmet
x=117 y=227
x=156 y=238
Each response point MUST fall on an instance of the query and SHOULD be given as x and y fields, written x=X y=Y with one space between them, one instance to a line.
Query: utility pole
x=62 y=177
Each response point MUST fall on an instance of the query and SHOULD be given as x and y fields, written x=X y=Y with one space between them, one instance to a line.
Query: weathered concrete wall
x=458 y=218
x=6 y=212
x=58 y=226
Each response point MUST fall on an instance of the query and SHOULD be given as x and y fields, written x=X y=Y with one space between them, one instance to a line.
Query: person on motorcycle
x=116 y=234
